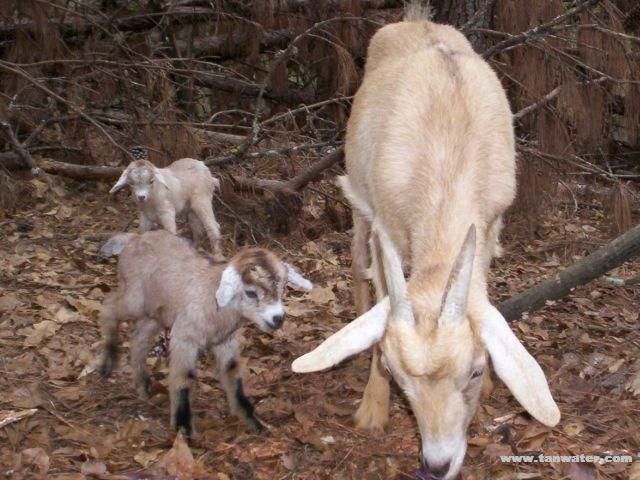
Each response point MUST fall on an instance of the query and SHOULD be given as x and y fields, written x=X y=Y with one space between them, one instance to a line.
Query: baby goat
x=162 y=193
x=430 y=171
x=163 y=282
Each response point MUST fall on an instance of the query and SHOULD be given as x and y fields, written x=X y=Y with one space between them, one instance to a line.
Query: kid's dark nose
x=277 y=320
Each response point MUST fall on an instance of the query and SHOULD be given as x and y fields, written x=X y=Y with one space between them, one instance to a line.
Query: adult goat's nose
x=437 y=471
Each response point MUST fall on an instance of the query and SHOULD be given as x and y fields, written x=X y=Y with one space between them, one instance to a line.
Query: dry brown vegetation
x=261 y=91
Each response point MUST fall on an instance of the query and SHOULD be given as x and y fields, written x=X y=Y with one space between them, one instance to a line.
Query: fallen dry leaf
x=93 y=468
x=581 y=471
x=321 y=295
x=178 y=461
x=36 y=457
x=147 y=457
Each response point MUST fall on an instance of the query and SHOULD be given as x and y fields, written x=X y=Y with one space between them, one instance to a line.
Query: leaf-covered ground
x=59 y=420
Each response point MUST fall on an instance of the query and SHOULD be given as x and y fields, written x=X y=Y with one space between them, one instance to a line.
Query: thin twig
x=9 y=67
x=224 y=159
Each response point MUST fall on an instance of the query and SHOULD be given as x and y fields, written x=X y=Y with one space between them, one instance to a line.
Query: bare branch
x=22 y=152
x=538 y=30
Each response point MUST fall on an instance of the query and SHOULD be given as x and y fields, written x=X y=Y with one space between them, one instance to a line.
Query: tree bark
x=460 y=13
x=615 y=253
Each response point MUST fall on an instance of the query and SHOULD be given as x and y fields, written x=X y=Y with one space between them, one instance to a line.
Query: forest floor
x=70 y=424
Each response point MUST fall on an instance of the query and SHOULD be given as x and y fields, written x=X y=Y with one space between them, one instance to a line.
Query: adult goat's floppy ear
x=355 y=337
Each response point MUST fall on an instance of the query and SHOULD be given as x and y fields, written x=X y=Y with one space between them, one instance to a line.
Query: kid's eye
x=251 y=294
x=477 y=373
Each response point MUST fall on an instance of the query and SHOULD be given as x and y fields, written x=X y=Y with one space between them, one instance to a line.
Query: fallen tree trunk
x=80 y=25
x=12 y=161
x=80 y=172
x=611 y=255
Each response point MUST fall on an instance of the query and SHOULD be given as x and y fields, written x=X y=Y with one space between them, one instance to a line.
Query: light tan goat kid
x=162 y=193
x=164 y=283
x=431 y=169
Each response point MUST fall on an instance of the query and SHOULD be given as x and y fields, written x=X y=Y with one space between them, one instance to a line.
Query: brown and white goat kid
x=164 y=283
x=162 y=193
x=430 y=171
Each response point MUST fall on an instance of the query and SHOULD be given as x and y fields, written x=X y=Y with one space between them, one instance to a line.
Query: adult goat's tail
x=417 y=11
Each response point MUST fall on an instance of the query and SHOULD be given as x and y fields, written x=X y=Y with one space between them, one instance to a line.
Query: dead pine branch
x=283 y=56
x=20 y=149
x=538 y=30
x=611 y=255
x=16 y=70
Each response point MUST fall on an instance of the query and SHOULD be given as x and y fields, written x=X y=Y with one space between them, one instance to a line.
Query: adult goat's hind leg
x=373 y=413
x=360 y=264
x=227 y=361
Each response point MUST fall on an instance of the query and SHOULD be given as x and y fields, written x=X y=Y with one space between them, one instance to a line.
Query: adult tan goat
x=431 y=169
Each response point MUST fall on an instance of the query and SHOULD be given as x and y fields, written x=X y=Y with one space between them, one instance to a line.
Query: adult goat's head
x=434 y=337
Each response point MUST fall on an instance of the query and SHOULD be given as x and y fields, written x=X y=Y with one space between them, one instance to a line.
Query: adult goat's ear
x=122 y=181
x=516 y=367
x=355 y=337
x=230 y=285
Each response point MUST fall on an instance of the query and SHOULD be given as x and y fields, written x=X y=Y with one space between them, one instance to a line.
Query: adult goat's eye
x=477 y=373
x=151 y=182
x=251 y=294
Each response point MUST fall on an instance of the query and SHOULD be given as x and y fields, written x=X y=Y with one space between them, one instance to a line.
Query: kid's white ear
x=354 y=338
x=122 y=181
x=517 y=368
x=160 y=177
x=230 y=285
x=295 y=280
